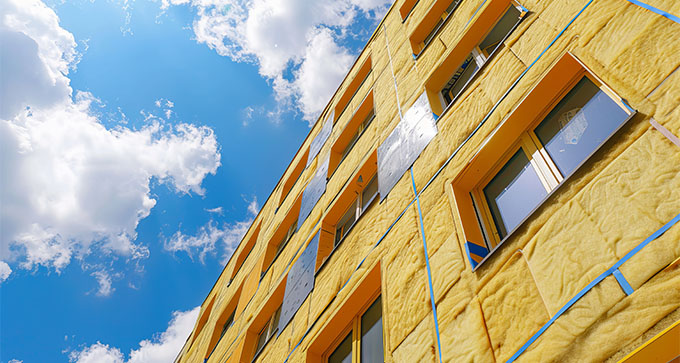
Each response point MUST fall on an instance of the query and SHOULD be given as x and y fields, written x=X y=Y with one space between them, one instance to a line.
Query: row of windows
x=510 y=181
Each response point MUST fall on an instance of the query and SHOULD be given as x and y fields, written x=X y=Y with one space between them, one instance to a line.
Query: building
x=513 y=164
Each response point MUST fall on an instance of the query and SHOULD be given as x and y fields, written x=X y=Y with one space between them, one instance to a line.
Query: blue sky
x=138 y=141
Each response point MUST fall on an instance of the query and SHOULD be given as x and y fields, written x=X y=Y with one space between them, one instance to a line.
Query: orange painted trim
x=352 y=88
x=474 y=34
x=228 y=309
x=364 y=293
x=274 y=300
x=427 y=24
x=348 y=132
x=406 y=8
x=549 y=90
x=280 y=233
x=246 y=250
x=294 y=176
x=663 y=347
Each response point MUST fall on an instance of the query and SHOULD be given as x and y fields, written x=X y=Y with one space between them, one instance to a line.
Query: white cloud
x=163 y=348
x=205 y=241
x=5 y=271
x=104 y=281
x=216 y=210
x=15 y=361
x=284 y=35
x=70 y=185
x=97 y=353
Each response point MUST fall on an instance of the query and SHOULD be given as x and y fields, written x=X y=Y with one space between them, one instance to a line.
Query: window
x=360 y=78
x=362 y=127
x=554 y=130
x=270 y=328
x=480 y=54
x=406 y=8
x=283 y=234
x=356 y=209
x=289 y=235
x=282 y=243
x=223 y=325
x=359 y=122
x=545 y=155
x=364 y=341
x=294 y=176
x=351 y=203
x=245 y=252
x=432 y=23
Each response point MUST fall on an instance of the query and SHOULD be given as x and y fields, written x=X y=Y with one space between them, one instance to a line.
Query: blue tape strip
x=592 y=284
x=477 y=249
x=656 y=10
x=623 y=282
x=427 y=263
x=435 y=116
x=473 y=263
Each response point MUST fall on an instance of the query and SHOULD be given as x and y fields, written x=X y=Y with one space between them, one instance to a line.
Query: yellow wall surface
x=625 y=192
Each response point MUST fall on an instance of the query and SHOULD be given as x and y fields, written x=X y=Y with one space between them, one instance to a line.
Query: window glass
x=513 y=193
x=459 y=79
x=371 y=334
x=500 y=30
x=370 y=191
x=343 y=353
x=346 y=222
x=262 y=338
x=578 y=125
x=228 y=323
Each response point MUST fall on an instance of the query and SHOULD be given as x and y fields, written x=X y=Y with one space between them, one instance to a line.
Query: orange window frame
x=359 y=79
x=358 y=300
x=474 y=34
x=245 y=251
x=353 y=328
x=345 y=199
x=274 y=301
x=293 y=177
x=406 y=8
x=517 y=131
x=271 y=253
x=345 y=137
x=429 y=25
x=228 y=310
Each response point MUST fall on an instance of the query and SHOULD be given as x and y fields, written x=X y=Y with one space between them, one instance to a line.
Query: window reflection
x=580 y=123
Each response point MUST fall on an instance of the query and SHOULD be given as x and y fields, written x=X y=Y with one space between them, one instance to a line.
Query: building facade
x=494 y=180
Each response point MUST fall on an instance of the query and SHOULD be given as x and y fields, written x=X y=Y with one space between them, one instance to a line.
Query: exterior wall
x=626 y=191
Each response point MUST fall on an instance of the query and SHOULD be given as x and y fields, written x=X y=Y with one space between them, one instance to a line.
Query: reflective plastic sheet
x=313 y=191
x=321 y=138
x=403 y=146
x=299 y=283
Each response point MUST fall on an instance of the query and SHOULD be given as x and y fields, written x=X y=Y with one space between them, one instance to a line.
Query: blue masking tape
x=656 y=10
x=592 y=284
x=427 y=263
x=622 y=282
x=477 y=249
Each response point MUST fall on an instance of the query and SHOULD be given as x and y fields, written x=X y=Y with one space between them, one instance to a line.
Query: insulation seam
x=597 y=280
x=665 y=14
x=427 y=264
